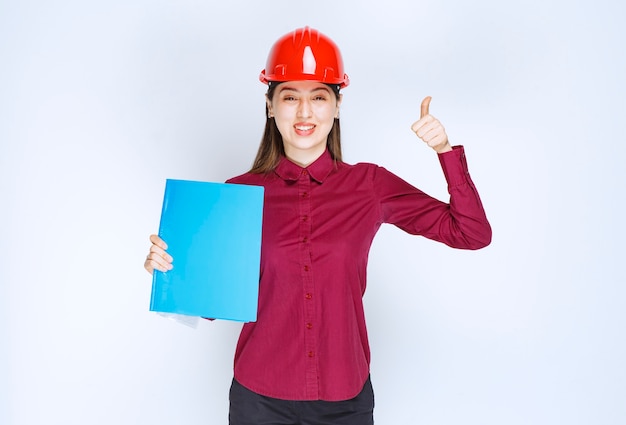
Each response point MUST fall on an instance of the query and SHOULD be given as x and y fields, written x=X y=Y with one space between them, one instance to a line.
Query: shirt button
x=305 y=195
x=308 y=296
x=305 y=172
x=305 y=239
x=306 y=268
x=311 y=354
x=305 y=218
x=309 y=325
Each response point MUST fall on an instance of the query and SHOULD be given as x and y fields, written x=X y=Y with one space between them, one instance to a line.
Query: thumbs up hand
x=430 y=130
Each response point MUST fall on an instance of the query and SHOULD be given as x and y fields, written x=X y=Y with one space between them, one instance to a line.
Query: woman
x=306 y=359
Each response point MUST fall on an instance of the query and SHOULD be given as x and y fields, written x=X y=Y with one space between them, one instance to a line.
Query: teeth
x=304 y=127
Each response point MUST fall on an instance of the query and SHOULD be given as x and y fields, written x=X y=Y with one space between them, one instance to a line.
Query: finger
x=429 y=127
x=156 y=261
x=161 y=253
x=155 y=239
x=432 y=133
x=422 y=122
x=437 y=140
x=425 y=106
x=162 y=261
x=151 y=265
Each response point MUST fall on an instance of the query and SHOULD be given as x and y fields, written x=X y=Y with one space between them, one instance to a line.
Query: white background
x=101 y=101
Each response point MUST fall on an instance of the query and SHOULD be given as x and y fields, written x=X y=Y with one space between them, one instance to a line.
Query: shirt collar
x=318 y=170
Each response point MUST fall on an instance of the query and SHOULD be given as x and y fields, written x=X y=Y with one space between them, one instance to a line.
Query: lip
x=304 y=128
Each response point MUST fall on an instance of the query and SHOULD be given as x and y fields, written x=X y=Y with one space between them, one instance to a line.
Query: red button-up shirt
x=310 y=341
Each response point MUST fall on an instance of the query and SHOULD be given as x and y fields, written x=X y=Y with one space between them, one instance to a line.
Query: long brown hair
x=271 y=148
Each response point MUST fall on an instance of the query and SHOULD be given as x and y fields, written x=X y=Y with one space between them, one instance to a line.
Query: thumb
x=425 y=106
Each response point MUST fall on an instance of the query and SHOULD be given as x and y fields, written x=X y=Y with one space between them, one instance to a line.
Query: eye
x=320 y=97
x=289 y=98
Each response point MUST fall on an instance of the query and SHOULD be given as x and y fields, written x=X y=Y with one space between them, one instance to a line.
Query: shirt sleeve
x=461 y=223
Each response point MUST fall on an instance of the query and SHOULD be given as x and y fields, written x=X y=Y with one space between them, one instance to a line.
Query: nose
x=304 y=108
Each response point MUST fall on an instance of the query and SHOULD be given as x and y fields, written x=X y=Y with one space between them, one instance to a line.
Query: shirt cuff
x=454 y=165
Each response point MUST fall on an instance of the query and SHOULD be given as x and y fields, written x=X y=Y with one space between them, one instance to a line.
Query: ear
x=268 y=104
x=338 y=105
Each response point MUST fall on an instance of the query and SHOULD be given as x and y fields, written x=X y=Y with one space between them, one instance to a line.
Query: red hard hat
x=305 y=54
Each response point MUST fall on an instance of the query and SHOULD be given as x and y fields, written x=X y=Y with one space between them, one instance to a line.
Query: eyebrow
x=324 y=88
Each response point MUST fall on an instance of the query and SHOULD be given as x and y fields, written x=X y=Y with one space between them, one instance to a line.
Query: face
x=304 y=112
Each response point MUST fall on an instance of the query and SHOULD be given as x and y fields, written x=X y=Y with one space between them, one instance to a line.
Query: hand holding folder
x=158 y=258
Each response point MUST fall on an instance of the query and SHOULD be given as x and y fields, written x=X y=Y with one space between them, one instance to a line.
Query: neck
x=303 y=158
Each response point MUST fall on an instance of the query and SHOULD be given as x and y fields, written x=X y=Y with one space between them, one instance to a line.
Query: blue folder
x=213 y=232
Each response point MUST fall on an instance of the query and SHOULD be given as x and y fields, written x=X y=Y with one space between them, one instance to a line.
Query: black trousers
x=250 y=408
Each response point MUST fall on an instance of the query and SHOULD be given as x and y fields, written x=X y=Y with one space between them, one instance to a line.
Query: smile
x=304 y=127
